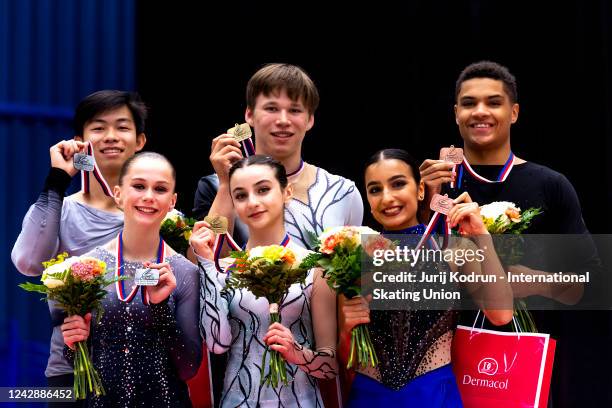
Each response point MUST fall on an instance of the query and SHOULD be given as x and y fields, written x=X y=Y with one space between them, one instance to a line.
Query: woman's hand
x=280 y=339
x=352 y=312
x=203 y=240
x=466 y=214
x=76 y=329
x=165 y=285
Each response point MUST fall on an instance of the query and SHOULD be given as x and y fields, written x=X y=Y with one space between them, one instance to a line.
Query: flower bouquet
x=77 y=285
x=267 y=271
x=176 y=230
x=339 y=254
x=504 y=217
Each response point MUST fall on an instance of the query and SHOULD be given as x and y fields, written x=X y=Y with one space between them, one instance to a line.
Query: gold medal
x=240 y=132
x=218 y=223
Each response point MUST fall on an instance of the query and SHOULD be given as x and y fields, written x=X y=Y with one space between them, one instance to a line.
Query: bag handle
x=515 y=323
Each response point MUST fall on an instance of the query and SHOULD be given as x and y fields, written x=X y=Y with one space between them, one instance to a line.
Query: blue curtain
x=52 y=54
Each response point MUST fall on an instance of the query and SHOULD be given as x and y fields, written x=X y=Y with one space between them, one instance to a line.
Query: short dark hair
x=144 y=155
x=290 y=78
x=259 y=159
x=107 y=100
x=397 y=154
x=492 y=70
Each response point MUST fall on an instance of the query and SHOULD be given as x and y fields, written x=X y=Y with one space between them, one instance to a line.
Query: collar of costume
x=415 y=229
x=298 y=170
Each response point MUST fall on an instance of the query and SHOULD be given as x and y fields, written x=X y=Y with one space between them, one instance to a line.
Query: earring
x=421 y=197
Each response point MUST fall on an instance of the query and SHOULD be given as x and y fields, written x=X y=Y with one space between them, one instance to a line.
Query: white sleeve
x=355 y=208
x=214 y=308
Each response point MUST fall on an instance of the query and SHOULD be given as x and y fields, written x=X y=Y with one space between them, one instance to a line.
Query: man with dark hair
x=491 y=70
x=486 y=108
x=109 y=125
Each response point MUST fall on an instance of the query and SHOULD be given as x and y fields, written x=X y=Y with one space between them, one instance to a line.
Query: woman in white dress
x=236 y=322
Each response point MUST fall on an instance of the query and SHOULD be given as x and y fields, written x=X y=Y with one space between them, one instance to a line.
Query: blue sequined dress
x=413 y=347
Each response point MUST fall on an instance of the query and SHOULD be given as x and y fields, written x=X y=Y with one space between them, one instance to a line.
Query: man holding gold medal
x=281 y=102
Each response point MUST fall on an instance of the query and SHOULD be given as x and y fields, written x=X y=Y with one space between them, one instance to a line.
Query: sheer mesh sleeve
x=214 y=308
x=177 y=325
x=321 y=362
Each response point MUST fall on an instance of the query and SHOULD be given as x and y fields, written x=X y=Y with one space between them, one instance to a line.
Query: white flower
x=53 y=283
x=174 y=215
x=496 y=209
x=58 y=268
x=256 y=252
x=367 y=231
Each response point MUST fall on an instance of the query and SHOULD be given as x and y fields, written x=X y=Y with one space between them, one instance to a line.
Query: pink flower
x=83 y=271
x=374 y=243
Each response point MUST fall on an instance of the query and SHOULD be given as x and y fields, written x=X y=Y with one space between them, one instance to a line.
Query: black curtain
x=386 y=75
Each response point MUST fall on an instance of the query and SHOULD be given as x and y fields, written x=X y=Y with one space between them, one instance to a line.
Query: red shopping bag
x=502 y=370
x=200 y=388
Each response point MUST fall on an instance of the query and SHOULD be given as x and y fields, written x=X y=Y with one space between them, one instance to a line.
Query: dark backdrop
x=386 y=77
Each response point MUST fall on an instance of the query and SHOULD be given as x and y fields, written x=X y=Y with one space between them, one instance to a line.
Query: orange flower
x=329 y=244
x=288 y=257
x=513 y=214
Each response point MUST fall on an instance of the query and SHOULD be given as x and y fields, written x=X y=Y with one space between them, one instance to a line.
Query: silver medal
x=146 y=277
x=83 y=162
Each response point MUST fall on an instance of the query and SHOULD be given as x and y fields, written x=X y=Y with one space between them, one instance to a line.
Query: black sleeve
x=205 y=195
x=577 y=252
x=565 y=205
x=203 y=199
x=57 y=180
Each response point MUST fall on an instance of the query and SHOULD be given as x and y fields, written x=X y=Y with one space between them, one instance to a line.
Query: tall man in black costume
x=486 y=108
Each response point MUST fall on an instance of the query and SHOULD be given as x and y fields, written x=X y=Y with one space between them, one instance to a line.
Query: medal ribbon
x=120 y=285
x=248 y=146
x=85 y=186
x=501 y=177
x=437 y=217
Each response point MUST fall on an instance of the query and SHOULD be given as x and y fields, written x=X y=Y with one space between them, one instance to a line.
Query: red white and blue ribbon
x=232 y=244
x=249 y=147
x=501 y=177
x=85 y=186
x=122 y=293
x=437 y=217
x=219 y=241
